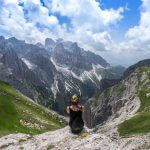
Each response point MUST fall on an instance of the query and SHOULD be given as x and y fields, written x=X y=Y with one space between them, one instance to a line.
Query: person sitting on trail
x=75 y=111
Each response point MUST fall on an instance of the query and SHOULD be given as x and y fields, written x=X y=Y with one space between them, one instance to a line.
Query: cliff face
x=109 y=103
x=75 y=58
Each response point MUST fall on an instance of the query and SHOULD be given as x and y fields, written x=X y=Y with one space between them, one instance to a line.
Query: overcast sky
x=118 y=30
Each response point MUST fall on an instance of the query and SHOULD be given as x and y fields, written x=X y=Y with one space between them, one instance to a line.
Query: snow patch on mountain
x=95 y=68
x=28 y=63
x=55 y=88
x=93 y=74
x=68 y=87
x=90 y=75
x=87 y=75
x=65 y=70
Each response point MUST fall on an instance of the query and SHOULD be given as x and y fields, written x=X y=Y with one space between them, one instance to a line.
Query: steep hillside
x=118 y=101
x=18 y=113
x=140 y=123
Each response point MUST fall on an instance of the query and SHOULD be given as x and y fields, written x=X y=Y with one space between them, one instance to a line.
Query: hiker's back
x=76 y=122
x=75 y=111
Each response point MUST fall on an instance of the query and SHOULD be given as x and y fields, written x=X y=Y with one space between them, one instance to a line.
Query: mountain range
x=51 y=73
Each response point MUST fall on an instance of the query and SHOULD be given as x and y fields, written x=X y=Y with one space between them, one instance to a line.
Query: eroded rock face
x=112 y=99
x=107 y=104
x=76 y=58
x=49 y=44
x=27 y=68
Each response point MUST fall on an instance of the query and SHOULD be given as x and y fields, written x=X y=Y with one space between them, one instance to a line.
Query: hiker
x=75 y=111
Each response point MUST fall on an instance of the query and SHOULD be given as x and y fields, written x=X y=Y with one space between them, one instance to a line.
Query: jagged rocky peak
x=67 y=45
x=70 y=54
x=75 y=48
x=60 y=55
x=75 y=58
x=70 y=46
x=49 y=43
x=40 y=45
x=16 y=41
x=59 y=47
x=2 y=38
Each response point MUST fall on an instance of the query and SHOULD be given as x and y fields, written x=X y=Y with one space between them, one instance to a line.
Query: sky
x=118 y=30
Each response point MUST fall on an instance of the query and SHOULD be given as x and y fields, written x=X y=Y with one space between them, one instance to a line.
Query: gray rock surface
x=109 y=102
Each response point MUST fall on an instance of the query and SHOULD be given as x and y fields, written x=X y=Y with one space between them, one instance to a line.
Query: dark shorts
x=76 y=127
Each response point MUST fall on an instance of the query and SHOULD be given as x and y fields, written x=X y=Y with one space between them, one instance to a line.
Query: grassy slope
x=19 y=114
x=140 y=123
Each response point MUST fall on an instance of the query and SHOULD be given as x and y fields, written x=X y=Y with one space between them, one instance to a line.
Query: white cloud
x=141 y=32
x=136 y=45
x=11 y=1
x=112 y=16
x=87 y=13
x=12 y=20
x=52 y=20
x=89 y=24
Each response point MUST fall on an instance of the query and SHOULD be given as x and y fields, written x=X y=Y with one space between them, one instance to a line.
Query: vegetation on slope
x=19 y=114
x=140 y=123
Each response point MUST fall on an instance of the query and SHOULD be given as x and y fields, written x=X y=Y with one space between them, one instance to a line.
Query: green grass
x=50 y=147
x=144 y=69
x=139 y=124
x=119 y=87
x=16 y=108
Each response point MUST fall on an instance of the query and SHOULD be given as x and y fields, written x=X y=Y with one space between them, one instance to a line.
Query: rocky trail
x=63 y=139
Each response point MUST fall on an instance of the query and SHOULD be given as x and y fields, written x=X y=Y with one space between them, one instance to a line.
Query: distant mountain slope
x=18 y=113
x=132 y=68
